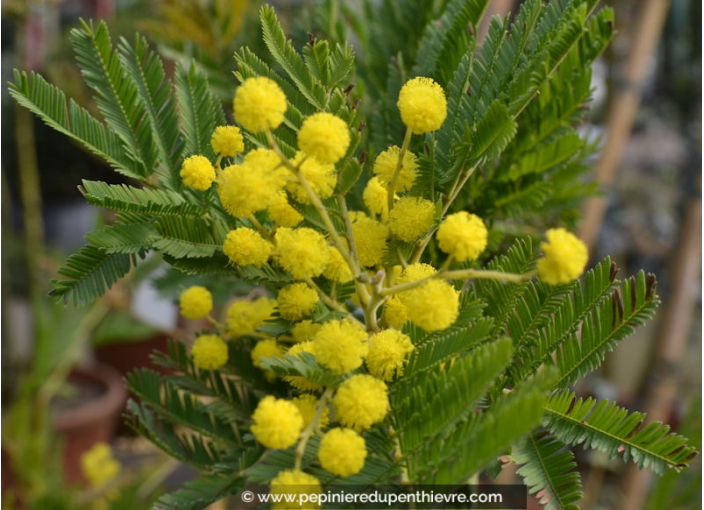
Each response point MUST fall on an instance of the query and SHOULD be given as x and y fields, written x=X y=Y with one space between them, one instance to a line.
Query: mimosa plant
x=407 y=336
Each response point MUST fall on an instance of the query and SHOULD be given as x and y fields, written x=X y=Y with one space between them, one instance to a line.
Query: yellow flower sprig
x=371 y=352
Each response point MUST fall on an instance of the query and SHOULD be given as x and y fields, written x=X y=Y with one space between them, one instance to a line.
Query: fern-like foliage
x=149 y=122
x=89 y=273
x=548 y=469
x=613 y=430
x=611 y=321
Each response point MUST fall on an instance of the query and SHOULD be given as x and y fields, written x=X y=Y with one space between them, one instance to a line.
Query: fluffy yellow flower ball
x=99 y=466
x=395 y=312
x=245 y=246
x=325 y=137
x=320 y=176
x=416 y=271
x=462 y=235
x=265 y=161
x=276 y=423
x=294 y=482
x=198 y=172
x=306 y=406
x=387 y=354
x=361 y=401
x=341 y=345
x=433 y=306
x=302 y=251
x=411 y=217
x=370 y=240
x=209 y=352
x=337 y=268
x=305 y=330
x=196 y=302
x=227 y=141
x=298 y=381
x=385 y=166
x=565 y=258
x=296 y=301
x=259 y=104
x=244 y=190
x=245 y=316
x=376 y=197
x=342 y=452
x=282 y=213
x=265 y=349
x=423 y=105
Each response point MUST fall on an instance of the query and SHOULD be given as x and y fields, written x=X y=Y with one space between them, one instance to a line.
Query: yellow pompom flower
x=433 y=306
x=265 y=349
x=320 y=176
x=302 y=251
x=337 y=268
x=387 y=354
x=416 y=271
x=325 y=137
x=361 y=401
x=370 y=240
x=99 y=466
x=209 y=352
x=276 y=423
x=341 y=345
x=195 y=302
x=395 y=312
x=411 y=217
x=565 y=258
x=244 y=190
x=245 y=316
x=282 y=213
x=294 y=482
x=463 y=236
x=305 y=330
x=197 y=172
x=376 y=197
x=245 y=246
x=227 y=141
x=342 y=452
x=259 y=104
x=385 y=166
x=266 y=161
x=423 y=105
x=306 y=406
x=298 y=381
x=296 y=301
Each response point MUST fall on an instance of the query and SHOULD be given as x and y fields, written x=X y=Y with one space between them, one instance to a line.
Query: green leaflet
x=613 y=430
x=549 y=470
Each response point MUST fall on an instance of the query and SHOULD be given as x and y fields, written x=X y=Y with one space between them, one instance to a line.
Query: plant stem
x=391 y=189
x=460 y=274
x=265 y=234
x=457 y=186
x=324 y=297
x=323 y=212
x=312 y=427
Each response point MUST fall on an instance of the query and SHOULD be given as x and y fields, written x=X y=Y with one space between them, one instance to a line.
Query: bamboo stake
x=622 y=114
x=673 y=338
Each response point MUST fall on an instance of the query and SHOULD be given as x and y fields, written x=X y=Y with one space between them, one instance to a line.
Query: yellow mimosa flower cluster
x=289 y=216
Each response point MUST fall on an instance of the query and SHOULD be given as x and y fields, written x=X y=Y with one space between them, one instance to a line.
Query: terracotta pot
x=128 y=356
x=93 y=419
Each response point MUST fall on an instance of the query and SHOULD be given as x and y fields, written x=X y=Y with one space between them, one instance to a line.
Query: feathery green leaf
x=547 y=467
x=613 y=431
